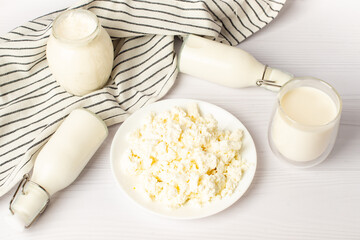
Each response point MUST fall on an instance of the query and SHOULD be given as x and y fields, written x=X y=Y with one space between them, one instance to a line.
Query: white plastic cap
x=27 y=204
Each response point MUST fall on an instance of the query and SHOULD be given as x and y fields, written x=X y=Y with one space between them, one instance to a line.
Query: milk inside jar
x=305 y=122
x=79 y=52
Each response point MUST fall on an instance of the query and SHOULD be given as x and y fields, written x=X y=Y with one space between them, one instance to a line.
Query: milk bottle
x=58 y=164
x=226 y=65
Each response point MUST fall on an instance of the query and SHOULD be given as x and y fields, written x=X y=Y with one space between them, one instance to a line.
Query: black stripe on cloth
x=152 y=18
x=27 y=35
x=144 y=95
x=22 y=63
x=33 y=29
x=4 y=178
x=25 y=86
x=23 y=135
x=108 y=109
x=35 y=105
x=255 y=13
x=59 y=110
x=20 y=70
x=23 y=48
x=132 y=48
x=117 y=115
x=23 y=56
x=2 y=172
x=13 y=101
x=33 y=21
x=247 y=16
x=146 y=60
x=238 y=18
x=52 y=13
x=156 y=11
x=175 y=31
x=40 y=29
x=141 y=91
x=264 y=10
x=23 y=78
x=169 y=5
x=269 y=5
x=13 y=149
x=138 y=84
x=162 y=86
x=134 y=76
x=28 y=40
x=140 y=54
x=36 y=113
x=276 y=2
x=135 y=32
x=28 y=93
x=129 y=39
x=122 y=30
x=160 y=80
x=101 y=102
x=212 y=12
x=11 y=159
x=32 y=146
x=232 y=24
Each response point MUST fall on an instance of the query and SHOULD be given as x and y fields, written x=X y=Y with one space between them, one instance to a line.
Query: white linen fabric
x=32 y=104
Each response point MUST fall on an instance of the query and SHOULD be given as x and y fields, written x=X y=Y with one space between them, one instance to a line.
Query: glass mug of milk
x=305 y=121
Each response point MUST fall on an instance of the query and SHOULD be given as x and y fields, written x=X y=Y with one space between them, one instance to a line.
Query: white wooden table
x=318 y=38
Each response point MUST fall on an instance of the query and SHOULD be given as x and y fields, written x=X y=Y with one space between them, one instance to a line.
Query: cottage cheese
x=184 y=158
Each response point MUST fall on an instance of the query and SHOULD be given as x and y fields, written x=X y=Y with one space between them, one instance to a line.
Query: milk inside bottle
x=226 y=65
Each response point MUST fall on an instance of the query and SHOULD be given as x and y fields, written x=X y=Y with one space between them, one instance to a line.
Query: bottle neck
x=273 y=79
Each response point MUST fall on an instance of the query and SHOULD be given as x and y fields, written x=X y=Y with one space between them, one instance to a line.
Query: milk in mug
x=305 y=121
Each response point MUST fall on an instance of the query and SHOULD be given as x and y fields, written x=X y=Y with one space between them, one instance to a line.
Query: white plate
x=127 y=182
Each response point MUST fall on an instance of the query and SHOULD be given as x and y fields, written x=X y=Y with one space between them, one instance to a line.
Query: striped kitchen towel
x=32 y=104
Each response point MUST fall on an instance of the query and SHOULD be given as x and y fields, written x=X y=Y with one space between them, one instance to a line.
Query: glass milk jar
x=305 y=122
x=79 y=52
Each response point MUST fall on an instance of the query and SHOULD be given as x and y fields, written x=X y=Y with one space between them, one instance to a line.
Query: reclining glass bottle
x=58 y=164
x=226 y=65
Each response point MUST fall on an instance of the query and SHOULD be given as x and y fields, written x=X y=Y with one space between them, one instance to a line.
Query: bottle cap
x=28 y=202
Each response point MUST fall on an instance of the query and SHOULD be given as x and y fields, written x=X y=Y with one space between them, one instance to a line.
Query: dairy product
x=225 y=65
x=79 y=52
x=306 y=120
x=309 y=106
x=75 y=25
x=184 y=158
x=59 y=163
